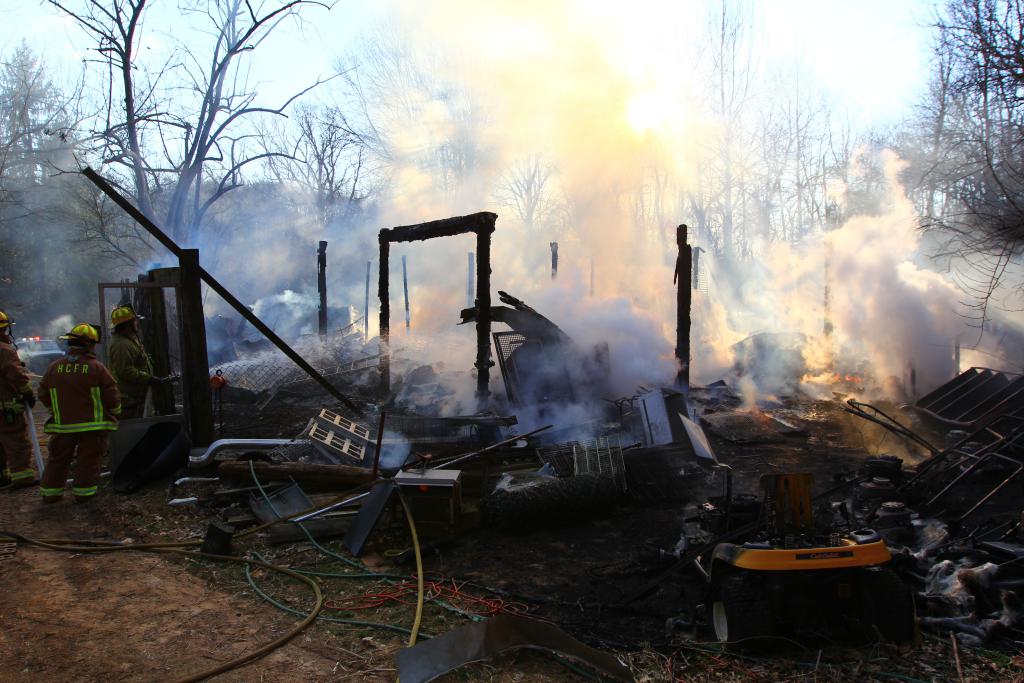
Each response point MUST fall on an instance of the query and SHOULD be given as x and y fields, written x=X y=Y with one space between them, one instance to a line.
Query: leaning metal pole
x=216 y=286
x=366 y=305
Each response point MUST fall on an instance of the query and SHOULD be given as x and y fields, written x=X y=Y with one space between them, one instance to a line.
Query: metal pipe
x=405 y=287
x=505 y=442
x=366 y=305
x=333 y=506
x=228 y=444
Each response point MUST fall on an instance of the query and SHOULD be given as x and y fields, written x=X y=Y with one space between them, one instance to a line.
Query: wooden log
x=305 y=474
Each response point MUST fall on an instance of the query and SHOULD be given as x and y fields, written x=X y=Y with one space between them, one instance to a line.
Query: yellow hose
x=419 y=575
x=419 y=572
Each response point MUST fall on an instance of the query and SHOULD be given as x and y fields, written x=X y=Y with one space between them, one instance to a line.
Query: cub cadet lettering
x=830 y=555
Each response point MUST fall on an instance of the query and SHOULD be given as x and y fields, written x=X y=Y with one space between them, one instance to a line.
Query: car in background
x=37 y=353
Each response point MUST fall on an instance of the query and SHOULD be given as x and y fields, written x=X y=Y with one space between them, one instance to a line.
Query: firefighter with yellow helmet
x=15 y=394
x=84 y=404
x=131 y=366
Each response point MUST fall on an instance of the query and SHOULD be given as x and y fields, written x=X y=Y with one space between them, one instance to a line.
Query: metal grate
x=600 y=457
x=506 y=343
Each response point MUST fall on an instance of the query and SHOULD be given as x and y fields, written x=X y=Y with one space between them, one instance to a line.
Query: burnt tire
x=888 y=605
x=741 y=613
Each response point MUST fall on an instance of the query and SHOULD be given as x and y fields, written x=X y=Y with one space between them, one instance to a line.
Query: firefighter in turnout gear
x=84 y=403
x=131 y=366
x=15 y=394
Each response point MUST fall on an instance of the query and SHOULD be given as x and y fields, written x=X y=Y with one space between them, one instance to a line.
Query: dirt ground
x=142 y=617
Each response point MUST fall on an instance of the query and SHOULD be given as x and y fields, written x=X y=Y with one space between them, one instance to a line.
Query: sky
x=871 y=54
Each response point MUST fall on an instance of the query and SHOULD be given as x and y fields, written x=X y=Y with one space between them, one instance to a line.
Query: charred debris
x=607 y=521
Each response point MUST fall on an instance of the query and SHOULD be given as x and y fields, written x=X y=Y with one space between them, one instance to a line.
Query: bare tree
x=327 y=157
x=974 y=179
x=180 y=127
x=414 y=115
x=527 y=187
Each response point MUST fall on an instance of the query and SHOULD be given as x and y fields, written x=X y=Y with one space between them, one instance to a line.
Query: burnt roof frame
x=482 y=224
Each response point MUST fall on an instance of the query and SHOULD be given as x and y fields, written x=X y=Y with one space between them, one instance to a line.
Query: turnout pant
x=16 y=449
x=87 y=450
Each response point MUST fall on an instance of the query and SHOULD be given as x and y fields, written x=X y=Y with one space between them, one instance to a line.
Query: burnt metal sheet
x=486 y=639
x=369 y=514
x=658 y=427
x=698 y=439
x=974 y=397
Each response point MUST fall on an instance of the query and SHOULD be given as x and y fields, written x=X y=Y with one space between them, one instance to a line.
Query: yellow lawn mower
x=785 y=580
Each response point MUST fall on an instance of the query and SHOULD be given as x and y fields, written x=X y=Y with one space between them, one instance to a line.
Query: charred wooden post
x=683 y=279
x=483 y=312
x=321 y=286
x=554 y=260
x=195 y=365
x=366 y=305
x=405 y=288
x=385 y=310
x=483 y=225
x=469 y=282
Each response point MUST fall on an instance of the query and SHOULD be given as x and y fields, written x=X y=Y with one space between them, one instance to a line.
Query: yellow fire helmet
x=5 y=321
x=123 y=314
x=82 y=332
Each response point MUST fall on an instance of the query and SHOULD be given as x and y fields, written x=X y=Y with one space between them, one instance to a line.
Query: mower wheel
x=889 y=605
x=741 y=613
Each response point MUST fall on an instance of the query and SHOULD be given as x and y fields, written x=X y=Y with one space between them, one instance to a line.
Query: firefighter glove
x=157 y=381
x=29 y=399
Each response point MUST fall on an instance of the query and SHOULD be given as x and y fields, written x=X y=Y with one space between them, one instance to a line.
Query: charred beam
x=483 y=318
x=385 y=310
x=446 y=227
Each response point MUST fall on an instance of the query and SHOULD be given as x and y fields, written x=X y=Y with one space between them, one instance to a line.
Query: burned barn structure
x=589 y=524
